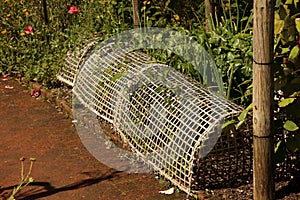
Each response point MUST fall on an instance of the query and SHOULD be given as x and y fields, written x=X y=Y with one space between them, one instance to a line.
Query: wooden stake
x=263 y=147
x=45 y=12
x=136 y=13
x=209 y=13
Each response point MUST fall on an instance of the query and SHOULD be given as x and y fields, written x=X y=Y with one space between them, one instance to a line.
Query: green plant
x=26 y=179
x=229 y=42
x=38 y=55
x=287 y=77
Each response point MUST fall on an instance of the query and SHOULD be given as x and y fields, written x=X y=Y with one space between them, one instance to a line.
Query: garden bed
x=285 y=189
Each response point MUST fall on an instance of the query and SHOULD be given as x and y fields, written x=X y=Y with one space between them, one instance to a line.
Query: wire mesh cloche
x=167 y=119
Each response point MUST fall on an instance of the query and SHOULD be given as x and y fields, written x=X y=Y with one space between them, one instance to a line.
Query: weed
x=26 y=179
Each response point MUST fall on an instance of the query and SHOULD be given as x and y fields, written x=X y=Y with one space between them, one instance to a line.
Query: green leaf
x=294 y=52
x=278 y=3
x=286 y=102
x=297 y=22
x=238 y=125
x=108 y=70
x=227 y=123
x=231 y=56
x=295 y=94
x=285 y=50
x=243 y=115
x=290 y=126
x=278 y=24
x=279 y=152
x=117 y=76
x=284 y=11
x=284 y=36
x=289 y=2
x=159 y=89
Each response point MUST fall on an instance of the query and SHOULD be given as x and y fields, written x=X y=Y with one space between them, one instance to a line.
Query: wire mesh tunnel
x=168 y=119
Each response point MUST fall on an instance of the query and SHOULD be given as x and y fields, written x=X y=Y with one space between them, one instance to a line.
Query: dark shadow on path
x=292 y=187
x=46 y=189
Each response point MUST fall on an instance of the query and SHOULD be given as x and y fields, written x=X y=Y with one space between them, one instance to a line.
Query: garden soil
x=34 y=128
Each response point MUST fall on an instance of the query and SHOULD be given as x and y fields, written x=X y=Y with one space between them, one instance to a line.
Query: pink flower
x=28 y=29
x=73 y=10
x=35 y=93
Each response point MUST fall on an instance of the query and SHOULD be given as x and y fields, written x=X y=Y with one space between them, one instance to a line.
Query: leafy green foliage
x=287 y=76
x=229 y=42
x=39 y=55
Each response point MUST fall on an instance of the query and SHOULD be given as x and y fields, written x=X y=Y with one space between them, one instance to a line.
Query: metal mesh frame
x=172 y=118
x=73 y=60
x=229 y=164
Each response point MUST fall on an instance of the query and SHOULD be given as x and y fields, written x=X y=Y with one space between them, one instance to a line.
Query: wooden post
x=46 y=19
x=209 y=12
x=45 y=12
x=136 y=13
x=263 y=147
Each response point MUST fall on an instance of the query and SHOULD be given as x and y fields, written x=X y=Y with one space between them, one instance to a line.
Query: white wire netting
x=169 y=120
x=73 y=61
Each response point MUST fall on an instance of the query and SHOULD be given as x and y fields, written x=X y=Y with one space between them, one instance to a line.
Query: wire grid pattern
x=73 y=61
x=229 y=164
x=166 y=118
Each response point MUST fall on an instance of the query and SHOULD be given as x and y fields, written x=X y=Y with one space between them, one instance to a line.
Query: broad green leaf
x=278 y=24
x=297 y=22
x=285 y=50
x=294 y=52
x=286 y=102
x=290 y=126
x=289 y=2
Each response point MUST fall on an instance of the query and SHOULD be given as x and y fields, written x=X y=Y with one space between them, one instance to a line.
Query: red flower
x=28 y=29
x=35 y=93
x=73 y=10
